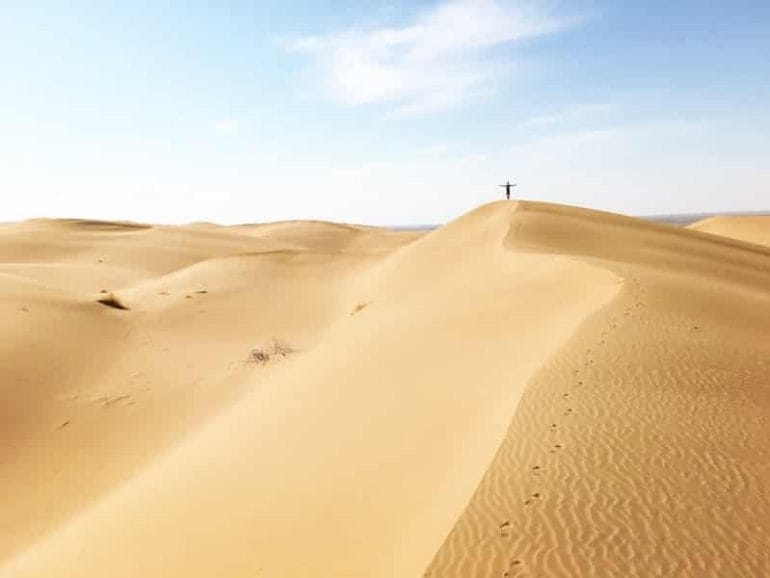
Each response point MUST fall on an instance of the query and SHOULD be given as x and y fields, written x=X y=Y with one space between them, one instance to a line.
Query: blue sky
x=380 y=112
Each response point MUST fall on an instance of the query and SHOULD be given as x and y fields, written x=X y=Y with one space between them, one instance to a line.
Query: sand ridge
x=529 y=390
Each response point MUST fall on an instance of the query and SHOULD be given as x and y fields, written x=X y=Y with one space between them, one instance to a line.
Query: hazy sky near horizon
x=380 y=112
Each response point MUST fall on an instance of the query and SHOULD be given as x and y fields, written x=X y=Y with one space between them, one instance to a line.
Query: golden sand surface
x=530 y=390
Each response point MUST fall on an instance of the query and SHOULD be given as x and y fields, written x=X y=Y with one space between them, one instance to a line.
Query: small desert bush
x=264 y=354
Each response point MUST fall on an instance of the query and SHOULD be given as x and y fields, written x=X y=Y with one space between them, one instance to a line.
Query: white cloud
x=226 y=127
x=572 y=114
x=437 y=61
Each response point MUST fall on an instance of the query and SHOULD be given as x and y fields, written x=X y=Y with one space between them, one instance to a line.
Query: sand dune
x=530 y=390
x=753 y=229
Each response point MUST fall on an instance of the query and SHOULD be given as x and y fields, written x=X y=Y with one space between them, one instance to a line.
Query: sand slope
x=530 y=390
x=752 y=229
x=90 y=395
x=641 y=448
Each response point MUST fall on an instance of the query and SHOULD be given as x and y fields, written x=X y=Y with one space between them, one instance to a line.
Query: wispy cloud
x=438 y=60
x=570 y=115
x=226 y=127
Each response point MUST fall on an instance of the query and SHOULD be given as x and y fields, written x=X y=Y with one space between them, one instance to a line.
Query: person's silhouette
x=507 y=186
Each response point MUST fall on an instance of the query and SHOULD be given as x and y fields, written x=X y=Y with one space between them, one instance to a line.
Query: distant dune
x=529 y=390
x=754 y=229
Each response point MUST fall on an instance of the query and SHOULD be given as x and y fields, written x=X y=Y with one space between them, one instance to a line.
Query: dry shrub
x=264 y=354
x=259 y=356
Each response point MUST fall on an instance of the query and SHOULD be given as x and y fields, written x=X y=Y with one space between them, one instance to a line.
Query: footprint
x=532 y=499
x=511 y=567
x=504 y=528
x=552 y=428
x=556 y=448
x=568 y=411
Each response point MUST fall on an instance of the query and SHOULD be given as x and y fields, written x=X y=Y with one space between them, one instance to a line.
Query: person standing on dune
x=508 y=185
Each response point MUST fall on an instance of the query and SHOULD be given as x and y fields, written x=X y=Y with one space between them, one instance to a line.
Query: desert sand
x=529 y=390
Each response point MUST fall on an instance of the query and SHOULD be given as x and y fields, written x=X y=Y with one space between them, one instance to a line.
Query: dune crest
x=532 y=389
